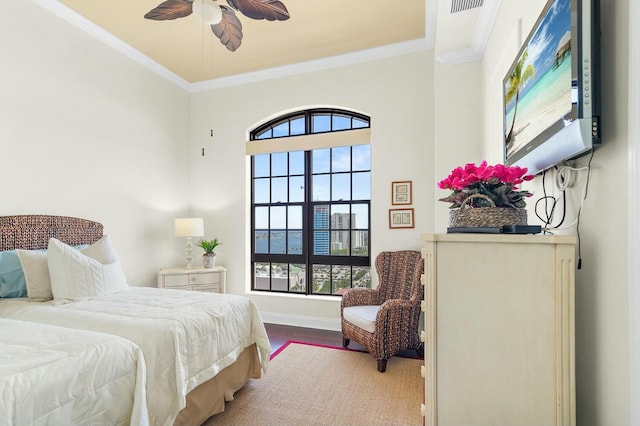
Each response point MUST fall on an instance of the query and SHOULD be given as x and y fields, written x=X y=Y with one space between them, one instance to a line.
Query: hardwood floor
x=280 y=334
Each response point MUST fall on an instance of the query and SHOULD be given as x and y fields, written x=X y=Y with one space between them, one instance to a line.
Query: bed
x=199 y=348
x=54 y=376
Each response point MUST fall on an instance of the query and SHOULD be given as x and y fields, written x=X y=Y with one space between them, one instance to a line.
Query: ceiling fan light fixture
x=221 y=19
x=208 y=11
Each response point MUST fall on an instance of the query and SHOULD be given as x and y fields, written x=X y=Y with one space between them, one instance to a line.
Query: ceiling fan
x=222 y=19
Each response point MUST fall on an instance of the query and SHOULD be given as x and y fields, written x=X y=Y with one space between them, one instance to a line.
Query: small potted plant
x=209 y=256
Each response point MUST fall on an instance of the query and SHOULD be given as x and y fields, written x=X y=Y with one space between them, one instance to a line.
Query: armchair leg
x=382 y=365
x=345 y=342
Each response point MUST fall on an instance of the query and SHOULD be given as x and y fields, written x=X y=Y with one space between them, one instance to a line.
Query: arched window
x=310 y=208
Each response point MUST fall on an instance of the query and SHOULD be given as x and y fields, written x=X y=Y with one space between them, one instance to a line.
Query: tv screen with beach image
x=538 y=87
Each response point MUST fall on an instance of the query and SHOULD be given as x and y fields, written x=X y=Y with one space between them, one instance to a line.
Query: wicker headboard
x=31 y=232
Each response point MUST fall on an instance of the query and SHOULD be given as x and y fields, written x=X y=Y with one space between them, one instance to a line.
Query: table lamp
x=189 y=227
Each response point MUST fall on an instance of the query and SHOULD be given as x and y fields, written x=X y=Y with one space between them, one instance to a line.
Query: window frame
x=308 y=258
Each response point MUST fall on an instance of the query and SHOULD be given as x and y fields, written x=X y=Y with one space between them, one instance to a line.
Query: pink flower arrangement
x=499 y=183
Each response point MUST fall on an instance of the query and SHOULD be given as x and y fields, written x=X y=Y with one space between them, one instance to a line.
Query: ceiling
x=329 y=31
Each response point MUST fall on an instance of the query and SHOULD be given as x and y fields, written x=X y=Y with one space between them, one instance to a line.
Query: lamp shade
x=189 y=227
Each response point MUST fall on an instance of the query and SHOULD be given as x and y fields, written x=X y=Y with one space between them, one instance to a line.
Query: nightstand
x=212 y=280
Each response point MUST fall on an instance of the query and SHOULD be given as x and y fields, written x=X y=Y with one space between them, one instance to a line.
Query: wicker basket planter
x=490 y=217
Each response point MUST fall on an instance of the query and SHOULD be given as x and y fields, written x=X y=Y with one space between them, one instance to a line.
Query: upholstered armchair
x=385 y=320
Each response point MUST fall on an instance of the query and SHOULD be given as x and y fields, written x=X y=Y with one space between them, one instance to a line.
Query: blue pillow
x=12 y=283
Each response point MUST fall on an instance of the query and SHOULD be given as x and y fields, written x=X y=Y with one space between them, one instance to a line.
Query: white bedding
x=58 y=376
x=186 y=337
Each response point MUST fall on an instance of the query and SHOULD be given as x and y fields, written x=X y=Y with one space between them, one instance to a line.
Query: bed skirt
x=209 y=398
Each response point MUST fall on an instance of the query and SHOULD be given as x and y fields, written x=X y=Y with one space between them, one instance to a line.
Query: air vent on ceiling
x=462 y=5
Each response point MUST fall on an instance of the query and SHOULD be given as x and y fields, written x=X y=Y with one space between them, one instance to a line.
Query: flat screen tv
x=551 y=92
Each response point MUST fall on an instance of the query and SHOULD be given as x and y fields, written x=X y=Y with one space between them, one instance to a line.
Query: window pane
x=362 y=186
x=295 y=242
x=321 y=188
x=360 y=216
x=267 y=134
x=261 y=190
x=322 y=279
x=277 y=242
x=262 y=217
x=281 y=130
x=341 y=187
x=340 y=278
x=341 y=122
x=340 y=243
x=279 y=164
x=279 y=190
x=362 y=276
x=321 y=243
x=280 y=277
x=320 y=123
x=261 y=165
x=341 y=159
x=297 y=126
x=340 y=217
x=296 y=189
x=296 y=163
x=359 y=124
x=261 y=243
x=360 y=243
x=297 y=278
x=294 y=220
x=361 y=157
x=321 y=217
x=278 y=219
x=320 y=160
x=262 y=276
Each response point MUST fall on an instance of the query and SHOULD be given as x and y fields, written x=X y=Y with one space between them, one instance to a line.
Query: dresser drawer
x=176 y=280
x=208 y=278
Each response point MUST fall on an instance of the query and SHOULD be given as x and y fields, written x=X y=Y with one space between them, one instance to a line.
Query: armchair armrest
x=359 y=296
x=392 y=306
x=399 y=321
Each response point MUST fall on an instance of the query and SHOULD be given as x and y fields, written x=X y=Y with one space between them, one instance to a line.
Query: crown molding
x=484 y=26
x=314 y=65
x=460 y=56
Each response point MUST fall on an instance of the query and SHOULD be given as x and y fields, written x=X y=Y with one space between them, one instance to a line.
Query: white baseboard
x=301 y=321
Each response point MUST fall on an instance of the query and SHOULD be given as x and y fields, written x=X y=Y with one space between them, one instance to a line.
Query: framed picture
x=400 y=218
x=401 y=192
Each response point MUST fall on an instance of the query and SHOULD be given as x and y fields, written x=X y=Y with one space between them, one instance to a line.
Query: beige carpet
x=314 y=385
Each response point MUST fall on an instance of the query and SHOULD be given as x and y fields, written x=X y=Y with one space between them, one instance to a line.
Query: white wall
x=458 y=126
x=398 y=95
x=86 y=132
x=602 y=311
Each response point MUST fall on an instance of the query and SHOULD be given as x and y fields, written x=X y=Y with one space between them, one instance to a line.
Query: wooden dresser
x=499 y=330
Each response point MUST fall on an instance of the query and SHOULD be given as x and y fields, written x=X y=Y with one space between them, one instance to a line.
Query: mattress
x=58 y=376
x=186 y=337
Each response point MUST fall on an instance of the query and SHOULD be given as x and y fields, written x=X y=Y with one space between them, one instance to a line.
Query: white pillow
x=76 y=275
x=35 y=267
x=36 y=274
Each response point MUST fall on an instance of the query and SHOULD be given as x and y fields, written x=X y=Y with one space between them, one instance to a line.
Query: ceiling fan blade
x=271 y=10
x=229 y=29
x=170 y=9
